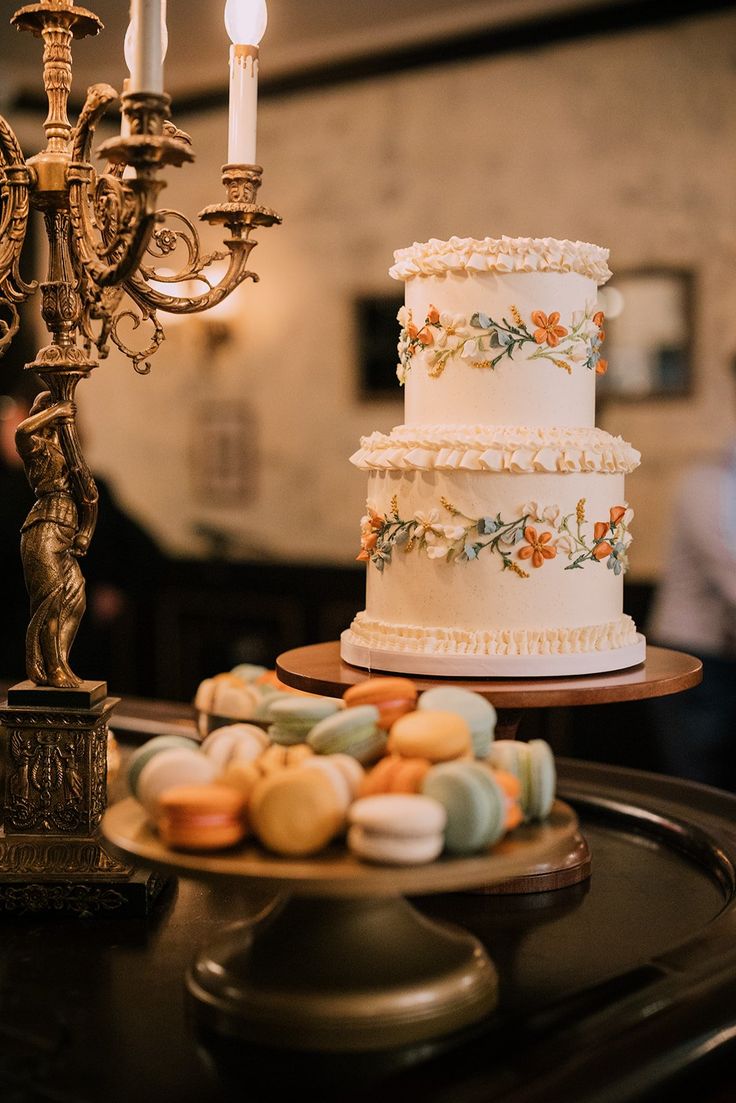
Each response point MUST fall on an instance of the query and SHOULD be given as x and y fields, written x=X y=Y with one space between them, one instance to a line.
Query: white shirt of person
x=695 y=603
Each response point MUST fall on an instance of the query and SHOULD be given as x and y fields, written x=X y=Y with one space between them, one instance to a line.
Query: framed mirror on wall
x=649 y=337
x=649 y=334
x=377 y=333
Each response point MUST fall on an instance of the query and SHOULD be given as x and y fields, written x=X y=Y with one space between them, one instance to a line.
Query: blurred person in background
x=694 y=610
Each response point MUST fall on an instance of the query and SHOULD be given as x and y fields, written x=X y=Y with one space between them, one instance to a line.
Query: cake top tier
x=501 y=254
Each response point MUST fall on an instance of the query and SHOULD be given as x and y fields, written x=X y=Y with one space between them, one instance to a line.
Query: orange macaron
x=395 y=774
x=393 y=697
x=201 y=817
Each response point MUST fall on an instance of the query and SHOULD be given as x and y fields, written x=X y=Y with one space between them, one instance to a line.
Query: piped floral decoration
x=484 y=342
x=536 y=536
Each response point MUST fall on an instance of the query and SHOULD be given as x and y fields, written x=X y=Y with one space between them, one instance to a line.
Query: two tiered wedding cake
x=496 y=531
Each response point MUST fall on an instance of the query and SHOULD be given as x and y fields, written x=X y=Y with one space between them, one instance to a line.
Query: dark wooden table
x=619 y=989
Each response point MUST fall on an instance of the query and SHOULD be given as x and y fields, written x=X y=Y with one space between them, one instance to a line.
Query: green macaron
x=353 y=731
x=478 y=713
x=534 y=765
x=293 y=717
x=474 y=802
x=543 y=779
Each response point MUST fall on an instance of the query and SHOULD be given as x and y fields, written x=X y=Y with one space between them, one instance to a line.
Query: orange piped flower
x=602 y=550
x=601 y=367
x=412 y=330
x=425 y=337
x=599 y=318
x=617 y=513
x=376 y=520
x=549 y=331
x=538 y=547
x=599 y=530
x=363 y=556
x=433 y=316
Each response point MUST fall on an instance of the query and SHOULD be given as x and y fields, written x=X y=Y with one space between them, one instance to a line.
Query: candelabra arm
x=15 y=186
x=237 y=271
x=99 y=98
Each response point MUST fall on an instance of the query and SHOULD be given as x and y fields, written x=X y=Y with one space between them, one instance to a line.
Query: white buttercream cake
x=496 y=531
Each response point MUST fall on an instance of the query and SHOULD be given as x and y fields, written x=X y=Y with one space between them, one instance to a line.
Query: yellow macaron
x=296 y=812
x=438 y=736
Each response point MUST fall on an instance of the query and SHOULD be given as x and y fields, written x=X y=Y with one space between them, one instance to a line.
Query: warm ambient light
x=246 y=21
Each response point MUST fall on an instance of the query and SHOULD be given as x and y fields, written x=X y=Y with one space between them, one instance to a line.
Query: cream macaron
x=399 y=829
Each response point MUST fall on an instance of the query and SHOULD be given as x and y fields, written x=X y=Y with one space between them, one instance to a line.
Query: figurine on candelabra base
x=54 y=765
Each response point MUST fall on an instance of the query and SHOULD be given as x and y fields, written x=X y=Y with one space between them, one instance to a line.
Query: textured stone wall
x=627 y=141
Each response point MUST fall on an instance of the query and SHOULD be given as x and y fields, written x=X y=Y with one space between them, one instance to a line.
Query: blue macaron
x=478 y=713
x=474 y=802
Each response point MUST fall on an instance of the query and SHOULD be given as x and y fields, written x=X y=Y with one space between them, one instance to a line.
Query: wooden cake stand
x=320 y=669
x=341 y=962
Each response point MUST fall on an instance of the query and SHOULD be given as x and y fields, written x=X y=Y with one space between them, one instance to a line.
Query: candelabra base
x=72 y=877
x=53 y=746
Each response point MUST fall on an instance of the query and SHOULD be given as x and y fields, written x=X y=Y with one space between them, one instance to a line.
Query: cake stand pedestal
x=341 y=962
x=320 y=669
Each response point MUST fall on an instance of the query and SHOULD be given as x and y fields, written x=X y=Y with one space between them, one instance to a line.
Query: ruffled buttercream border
x=495 y=448
x=456 y=641
x=502 y=254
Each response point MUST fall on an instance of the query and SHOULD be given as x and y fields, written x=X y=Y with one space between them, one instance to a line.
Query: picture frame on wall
x=649 y=326
x=377 y=333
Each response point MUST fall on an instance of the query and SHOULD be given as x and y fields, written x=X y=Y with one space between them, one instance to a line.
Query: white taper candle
x=243 y=105
x=246 y=22
x=147 y=70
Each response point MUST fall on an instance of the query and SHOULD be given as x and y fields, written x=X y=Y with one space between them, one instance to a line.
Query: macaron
x=533 y=764
x=242 y=741
x=296 y=812
x=114 y=757
x=241 y=776
x=438 y=736
x=203 y=817
x=479 y=714
x=395 y=774
x=269 y=696
x=353 y=731
x=393 y=697
x=512 y=788
x=325 y=763
x=248 y=672
x=396 y=829
x=350 y=769
x=172 y=767
x=292 y=718
x=225 y=697
x=475 y=805
x=276 y=757
x=151 y=748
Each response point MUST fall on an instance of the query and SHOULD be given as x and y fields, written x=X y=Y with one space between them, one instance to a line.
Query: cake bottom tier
x=485 y=574
x=406 y=650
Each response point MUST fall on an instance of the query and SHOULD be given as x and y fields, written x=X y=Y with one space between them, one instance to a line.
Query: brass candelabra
x=106 y=237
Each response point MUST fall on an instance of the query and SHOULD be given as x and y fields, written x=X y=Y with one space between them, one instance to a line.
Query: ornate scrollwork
x=14 y=210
